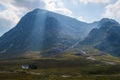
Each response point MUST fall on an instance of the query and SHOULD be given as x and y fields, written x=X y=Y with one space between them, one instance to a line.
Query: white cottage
x=25 y=66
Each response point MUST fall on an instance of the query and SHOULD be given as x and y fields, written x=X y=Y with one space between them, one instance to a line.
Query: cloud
x=80 y=18
x=75 y=2
x=94 y=1
x=5 y=25
x=112 y=10
x=51 y=5
x=29 y=4
x=8 y=16
x=57 y=6
x=17 y=8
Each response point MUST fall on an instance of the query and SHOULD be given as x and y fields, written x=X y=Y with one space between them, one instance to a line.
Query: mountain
x=106 y=37
x=43 y=31
x=111 y=43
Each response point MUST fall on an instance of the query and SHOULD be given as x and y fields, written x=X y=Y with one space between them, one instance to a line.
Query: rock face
x=41 y=30
x=105 y=38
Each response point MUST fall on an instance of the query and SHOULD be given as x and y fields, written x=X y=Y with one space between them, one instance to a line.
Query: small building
x=25 y=66
x=32 y=66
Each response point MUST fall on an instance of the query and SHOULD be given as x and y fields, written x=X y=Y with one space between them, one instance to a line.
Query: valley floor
x=58 y=69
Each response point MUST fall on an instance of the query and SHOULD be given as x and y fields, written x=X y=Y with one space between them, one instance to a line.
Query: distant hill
x=105 y=38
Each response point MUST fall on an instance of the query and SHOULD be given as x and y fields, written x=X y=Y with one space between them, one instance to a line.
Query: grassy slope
x=66 y=67
x=77 y=68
